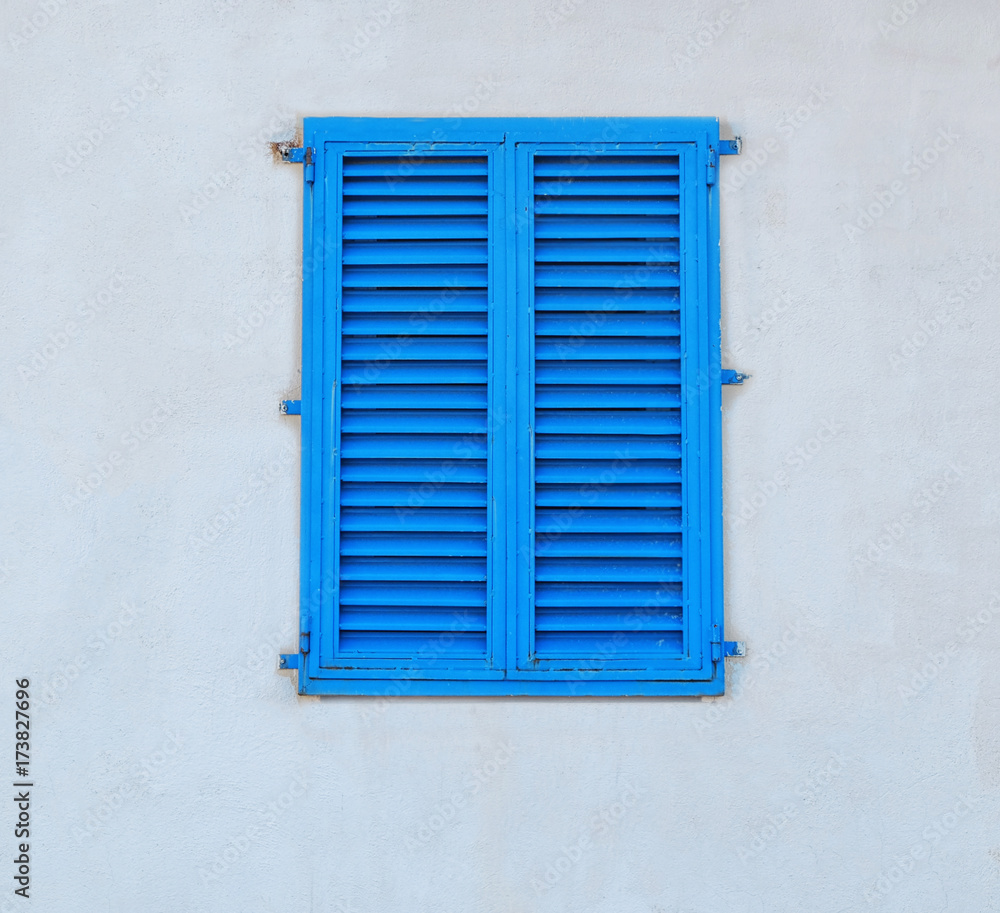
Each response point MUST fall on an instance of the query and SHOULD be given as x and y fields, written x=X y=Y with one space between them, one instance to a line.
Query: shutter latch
x=290 y=407
x=303 y=155
x=733 y=377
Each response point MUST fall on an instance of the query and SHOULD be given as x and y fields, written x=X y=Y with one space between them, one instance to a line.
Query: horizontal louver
x=413 y=409
x=608 y=575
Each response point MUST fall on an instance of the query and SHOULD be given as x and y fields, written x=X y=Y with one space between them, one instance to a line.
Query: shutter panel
x=605 y=525
x=411 y=466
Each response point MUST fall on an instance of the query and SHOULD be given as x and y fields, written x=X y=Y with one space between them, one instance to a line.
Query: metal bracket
x=303 y=155
x=722 y=648
x=724 y=147
x=733 y=377
x=295 y=660
x=296 y=154
x=290 y=407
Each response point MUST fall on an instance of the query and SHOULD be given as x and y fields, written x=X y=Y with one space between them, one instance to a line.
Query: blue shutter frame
x=433 y=598
x=347 y=649
x=568 y=550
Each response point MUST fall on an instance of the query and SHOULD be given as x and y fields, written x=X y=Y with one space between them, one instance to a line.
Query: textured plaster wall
x=150 y=324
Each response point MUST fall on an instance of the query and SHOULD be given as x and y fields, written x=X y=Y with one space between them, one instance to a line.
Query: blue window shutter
x=410 y=474
x=511 y=407
x=608 y=278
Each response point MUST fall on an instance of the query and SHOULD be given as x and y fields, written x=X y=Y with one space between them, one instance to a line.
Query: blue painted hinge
x=733 y=377
x=290 y=407
x=728 y=648
x=303 y=155
x=722 y=648
x=295 y=660
x=724 y=147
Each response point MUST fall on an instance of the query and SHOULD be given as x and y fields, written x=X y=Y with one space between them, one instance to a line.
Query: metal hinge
x=295 y=660
x=733 y=377
x=724 y=147
x=290 y=407
x=721 y=648
x=303 y=155
x=729 y=648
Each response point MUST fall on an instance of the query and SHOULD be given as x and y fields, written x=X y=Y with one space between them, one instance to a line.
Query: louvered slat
x=413 y=407
x=607 y=397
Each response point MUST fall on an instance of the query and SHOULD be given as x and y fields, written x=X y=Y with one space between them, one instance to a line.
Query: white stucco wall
x=174 y=769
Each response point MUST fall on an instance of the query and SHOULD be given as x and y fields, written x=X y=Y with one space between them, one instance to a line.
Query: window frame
x=509 y=142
